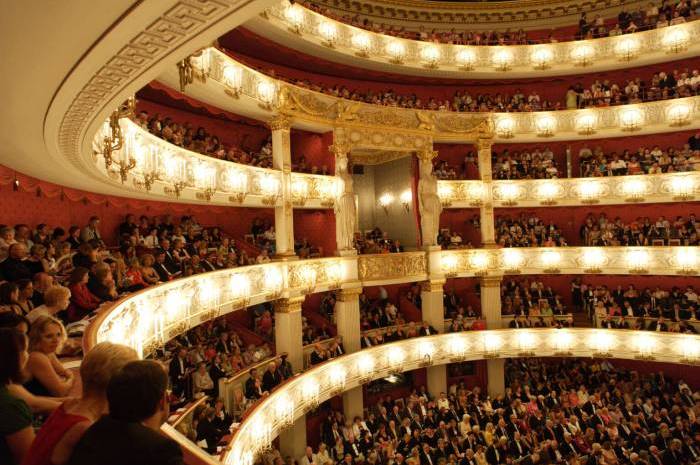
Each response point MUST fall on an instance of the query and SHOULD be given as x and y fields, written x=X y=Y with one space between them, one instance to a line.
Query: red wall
x=454 y=155
x=465 y=288
x=318 y=226
x=675 y=372
x=21 y=206
x=459 y=219
x=314 y=147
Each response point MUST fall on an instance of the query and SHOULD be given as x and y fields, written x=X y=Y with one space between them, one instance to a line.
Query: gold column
x=491 y=312
x=347 y=319
x=486 y=216
x=433 y=312
x=282 y=161
x=288 y=330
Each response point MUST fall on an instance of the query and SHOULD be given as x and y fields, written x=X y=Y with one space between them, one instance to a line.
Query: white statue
x=344 y=206
x=429 y=203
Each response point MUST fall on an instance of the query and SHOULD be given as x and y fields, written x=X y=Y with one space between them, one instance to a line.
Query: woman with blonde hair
x=147 y=271
x=61 y=432
x=48 y=376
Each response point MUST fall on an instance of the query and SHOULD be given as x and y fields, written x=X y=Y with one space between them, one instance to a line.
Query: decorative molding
x=407 y=266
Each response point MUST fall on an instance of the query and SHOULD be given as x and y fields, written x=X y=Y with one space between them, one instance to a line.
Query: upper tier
x=307 y=31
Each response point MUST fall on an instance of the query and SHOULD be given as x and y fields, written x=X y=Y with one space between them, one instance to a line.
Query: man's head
x=18 y=251
x=138 y=393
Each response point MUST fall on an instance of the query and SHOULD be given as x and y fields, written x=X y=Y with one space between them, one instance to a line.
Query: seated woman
x=9 y=296
x=48 y=377
x=201 y=381
x=65 y=427
x=134 y=276
x=102 y=283
x=148 y=273
x=56 y=300
x=208 y=435
x=15 y=416
x=82 y=301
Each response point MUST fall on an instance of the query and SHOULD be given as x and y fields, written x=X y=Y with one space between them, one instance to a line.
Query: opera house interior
x=332 y=232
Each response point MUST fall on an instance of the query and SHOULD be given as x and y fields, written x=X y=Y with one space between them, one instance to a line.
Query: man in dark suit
x=271 y=378
x=317 y=356
x=251 y=389
x=15 y=267
x=179 y=372
x=427 y=330
x=164 y=274
x=427 y=457
x=171 y=263
x=496 y=452
x=138 y=406
x=673 y=454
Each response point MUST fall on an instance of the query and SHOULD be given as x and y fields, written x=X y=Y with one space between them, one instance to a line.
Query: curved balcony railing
x=655 y=188
x=368 y=126
x=153 y=164
x=309 y=31
x=149 y=318
x=303 y=393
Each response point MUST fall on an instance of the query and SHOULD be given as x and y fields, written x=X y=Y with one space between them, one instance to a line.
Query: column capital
x=484 y=144
x=280 y=123
x=289 y=305
x=434 y=285
x=491 y=281
x=427 y=155
x=340 y=150
x=347 y=295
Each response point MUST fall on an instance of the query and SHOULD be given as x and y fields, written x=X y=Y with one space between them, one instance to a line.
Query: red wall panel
x=460 y=220
x=318 y=226
x=314 y=147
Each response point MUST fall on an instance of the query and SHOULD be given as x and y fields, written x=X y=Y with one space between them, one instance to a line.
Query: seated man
x=138 y=406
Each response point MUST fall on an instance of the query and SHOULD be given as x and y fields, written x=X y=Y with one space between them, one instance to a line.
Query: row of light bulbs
x=306 y=392
x=626 y=48
x=551 y=260
x=549 y=192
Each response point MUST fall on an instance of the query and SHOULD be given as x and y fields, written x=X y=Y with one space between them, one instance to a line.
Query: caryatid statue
x=345 y=214
x=429 y=203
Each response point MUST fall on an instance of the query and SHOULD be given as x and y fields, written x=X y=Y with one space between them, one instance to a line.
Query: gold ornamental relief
x=292 y=100
x=464 y=123
x=392 y=117
x=391 y=266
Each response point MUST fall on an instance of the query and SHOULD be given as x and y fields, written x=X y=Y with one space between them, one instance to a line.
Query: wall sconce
x=397 y=52
x=492 y=344
x=394 y=360
x=513 y=260
x=686 y=259
x=269 y=188
x=329 y=32
x=582 y=54
x=406 y=199
x=545 y=125
x=449 y=264
x=638 y=261
x=274 y=282
x=631 y=119
x=645 y=345
x=233 y=80
x=679 y=114
x=602 y=343
x=689 y=349
x=547 y=192
x=550 y=260
x=542 y=58
x=683 y=187
x=586 y=123
x=336 y=379
x=634 y=189
x=466 y=59
x=307 y=276
x=335 y=274
x=145 y=157
x=430 y=56
x=310 y=393
x=476 y=191
x=174 y=171
x=363 y=43
x=593 y=259
x=457 y=347
x=676 y=39
x=502 y=59
x=239 y=289
x=284 y=411
x=327 y=190
x=267 y=93
x=479 y=262
x=385 y=200
x=446 y=193
x=589 y=191
x=300 y=191
x=365 y=368
x=204 y=176
x=505 y=127
x=527 y=342
x=235 y=182
x=425 y=352
x=561 y=341
x=508 y=193
x=295 y=18
x=207 y=295
x=627 y=48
